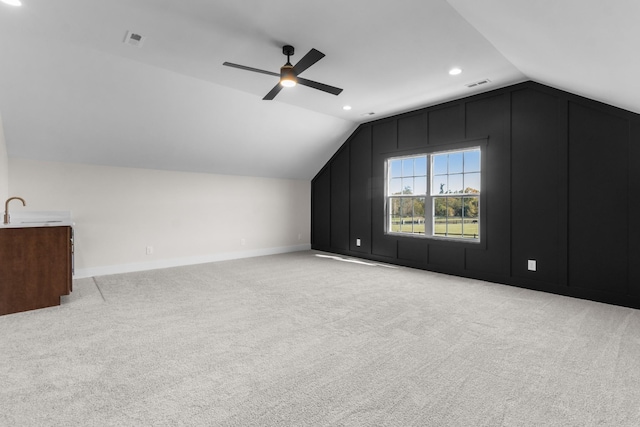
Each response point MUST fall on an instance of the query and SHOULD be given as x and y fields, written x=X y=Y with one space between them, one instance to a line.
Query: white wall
x=187 y=217
x=4 y=166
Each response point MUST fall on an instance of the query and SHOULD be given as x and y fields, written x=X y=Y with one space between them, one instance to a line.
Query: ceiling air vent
x=480 y=83
x=134 y=39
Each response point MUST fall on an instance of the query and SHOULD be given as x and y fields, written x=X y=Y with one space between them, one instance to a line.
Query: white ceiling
x=72 y=91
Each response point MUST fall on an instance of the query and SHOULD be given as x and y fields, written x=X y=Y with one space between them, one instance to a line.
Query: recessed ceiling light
x=347 y=107
x=455 y=71
x=12 y=2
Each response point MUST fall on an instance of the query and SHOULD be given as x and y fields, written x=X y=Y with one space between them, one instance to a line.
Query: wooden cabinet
x=35 y=267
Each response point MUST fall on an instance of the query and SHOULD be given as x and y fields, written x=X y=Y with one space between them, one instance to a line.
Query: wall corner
x=4 y=165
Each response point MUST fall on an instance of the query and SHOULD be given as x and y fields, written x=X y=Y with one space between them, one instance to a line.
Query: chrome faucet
x=6 y=207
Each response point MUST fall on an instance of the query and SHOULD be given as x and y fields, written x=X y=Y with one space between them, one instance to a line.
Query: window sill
x=445 y=241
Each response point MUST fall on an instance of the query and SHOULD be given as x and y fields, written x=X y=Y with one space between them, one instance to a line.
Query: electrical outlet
x=299 y=236
x=531 y=265
x=149 y=250
x=243 y=241
x=357 y=242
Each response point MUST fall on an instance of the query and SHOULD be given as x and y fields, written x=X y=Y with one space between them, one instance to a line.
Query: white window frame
x=430 y=196
x=388 y=196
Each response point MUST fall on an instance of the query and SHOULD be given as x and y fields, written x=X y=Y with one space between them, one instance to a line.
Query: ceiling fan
x=289 y=74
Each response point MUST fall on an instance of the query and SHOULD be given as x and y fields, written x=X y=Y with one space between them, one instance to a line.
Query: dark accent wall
x=558 y=186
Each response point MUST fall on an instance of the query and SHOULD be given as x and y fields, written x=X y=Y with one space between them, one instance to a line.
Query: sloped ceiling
x=72 y=91
x=588 y=47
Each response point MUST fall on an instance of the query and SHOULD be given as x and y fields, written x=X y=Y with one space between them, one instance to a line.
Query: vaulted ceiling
x=71 y=90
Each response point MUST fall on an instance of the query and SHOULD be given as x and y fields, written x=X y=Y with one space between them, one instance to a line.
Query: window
x=407 y=191
x=435 y=194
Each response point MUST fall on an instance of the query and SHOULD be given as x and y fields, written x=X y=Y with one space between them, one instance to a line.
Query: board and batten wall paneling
x=488 y=116
x=321 y=209
x=634 y=208
x=598 y=199
x=384 y=144
x=414 y=250
x=412 y=131
x=559 y=176
x=446 y=124
x=360 y=190
x=340 y=200
x=413 y=134
x=535 y=230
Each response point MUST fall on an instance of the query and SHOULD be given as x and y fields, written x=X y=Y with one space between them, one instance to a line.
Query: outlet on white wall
x=531 y=265
x=357 y=242
x=243 y=241
x=149 y=250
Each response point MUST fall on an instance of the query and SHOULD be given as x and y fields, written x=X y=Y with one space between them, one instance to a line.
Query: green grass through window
x=453 y=228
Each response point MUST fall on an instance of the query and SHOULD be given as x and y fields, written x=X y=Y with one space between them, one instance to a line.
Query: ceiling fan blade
x=320 y=86
x=273 y=92
x=255 y=70
x=308 y=60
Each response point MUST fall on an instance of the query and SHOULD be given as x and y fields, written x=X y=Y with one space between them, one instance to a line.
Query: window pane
x=454 y=216
x=439 y=164
x=454 y=208
x=406 y=225
x=471 y=205
x=456 y=184
x=455 y=162
x=439 y=184
x=407 y=215
x=407 y=185
x=407 y=167
x=440 y=216
x=420 y=166
x=395 y=186
x=472 y=161
x=418 y=215
x=472 y=182
x=395 y=168
x=420 y=185
x=471 y=221
x=396 y=214
x=413 y=215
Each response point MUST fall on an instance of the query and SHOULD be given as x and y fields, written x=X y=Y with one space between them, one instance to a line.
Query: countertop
x=25 y=219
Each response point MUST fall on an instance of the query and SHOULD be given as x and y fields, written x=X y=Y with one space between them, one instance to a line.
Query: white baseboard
x=82 y=273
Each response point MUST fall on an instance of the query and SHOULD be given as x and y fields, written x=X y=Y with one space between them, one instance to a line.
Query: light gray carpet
x=303 y=339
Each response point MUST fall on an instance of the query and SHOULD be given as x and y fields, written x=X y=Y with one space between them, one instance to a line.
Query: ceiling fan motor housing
x=287 y=74
x=288 y=50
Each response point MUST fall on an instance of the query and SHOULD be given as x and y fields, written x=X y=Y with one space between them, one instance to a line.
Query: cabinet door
x=35 y=269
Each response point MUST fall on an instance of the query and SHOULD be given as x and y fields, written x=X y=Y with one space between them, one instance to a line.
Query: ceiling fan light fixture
x=288 y=76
